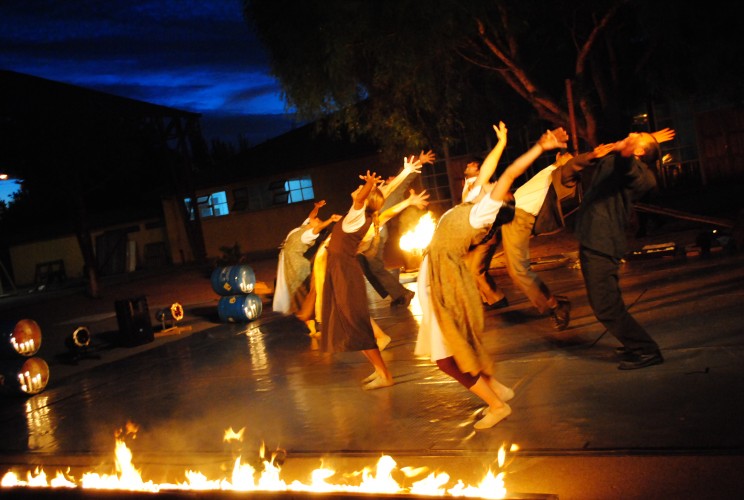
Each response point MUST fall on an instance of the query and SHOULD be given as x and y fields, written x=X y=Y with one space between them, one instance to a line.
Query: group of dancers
x=452 y=322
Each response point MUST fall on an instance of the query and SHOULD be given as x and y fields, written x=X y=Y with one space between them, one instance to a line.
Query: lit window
x=299 y=189
x=213 y=205
x=292 y=190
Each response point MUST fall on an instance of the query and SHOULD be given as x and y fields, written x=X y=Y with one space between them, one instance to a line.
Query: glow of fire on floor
x=247 y=478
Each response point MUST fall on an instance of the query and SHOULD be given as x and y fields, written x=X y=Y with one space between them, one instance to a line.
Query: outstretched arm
x=551 y=139
x=324 y=224
x=410 y=166
x=370 y=181
x=414 y=200
x=492 y=160
x=314 y=212
x=664 y=135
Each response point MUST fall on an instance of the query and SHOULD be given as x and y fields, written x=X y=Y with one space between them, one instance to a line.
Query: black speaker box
x=133 y=317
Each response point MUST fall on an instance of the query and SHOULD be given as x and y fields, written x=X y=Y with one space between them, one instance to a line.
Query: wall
x=25 y=257
x=261 y=232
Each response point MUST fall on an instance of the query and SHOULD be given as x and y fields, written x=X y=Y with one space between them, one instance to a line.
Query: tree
x=444 y=69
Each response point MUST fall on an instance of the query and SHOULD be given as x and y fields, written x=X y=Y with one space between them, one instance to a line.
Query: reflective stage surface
x=584 y=428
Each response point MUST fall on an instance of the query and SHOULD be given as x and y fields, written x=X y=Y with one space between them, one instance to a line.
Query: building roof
x=26 y=94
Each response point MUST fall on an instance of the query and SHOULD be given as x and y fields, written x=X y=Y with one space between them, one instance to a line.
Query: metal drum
x=233 y=280
x=239 y=308
x=20 y=339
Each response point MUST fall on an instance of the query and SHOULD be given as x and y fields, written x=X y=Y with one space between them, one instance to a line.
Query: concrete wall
x=261 y=232
x=25 y=257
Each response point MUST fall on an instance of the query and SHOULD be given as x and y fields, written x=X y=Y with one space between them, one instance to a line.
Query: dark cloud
x=188 y=54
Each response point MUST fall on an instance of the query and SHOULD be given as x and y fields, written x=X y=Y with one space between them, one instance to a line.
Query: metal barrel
x=239 y=308
x=233 y=280
x=20 y=339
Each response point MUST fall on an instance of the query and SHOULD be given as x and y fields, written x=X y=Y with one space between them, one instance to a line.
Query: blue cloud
x=194 y=55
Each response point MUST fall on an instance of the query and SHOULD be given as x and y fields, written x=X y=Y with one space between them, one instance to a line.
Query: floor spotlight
x=79 y=339
x=168 y=317
x=78 y=345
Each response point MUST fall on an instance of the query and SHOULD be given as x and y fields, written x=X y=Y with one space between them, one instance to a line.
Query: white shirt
x=531 y=195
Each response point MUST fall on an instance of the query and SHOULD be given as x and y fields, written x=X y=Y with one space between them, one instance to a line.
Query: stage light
x=21 y=338
x=78 y=340
x=25 y=376
x=172 y=315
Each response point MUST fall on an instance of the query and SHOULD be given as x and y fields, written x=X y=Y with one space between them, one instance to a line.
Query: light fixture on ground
x=78 y=344
x=21 y=338
x=24 y=376
x=78 y=340
x=168 y=317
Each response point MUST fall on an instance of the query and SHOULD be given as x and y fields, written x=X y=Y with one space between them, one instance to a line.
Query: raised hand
x=418 y=200
x=604 y=149
x=425 y=158
x=552 y=139
x=371 y=178
x=410 y=165
x=500 y=131
x=664 y=135
x=320 y=204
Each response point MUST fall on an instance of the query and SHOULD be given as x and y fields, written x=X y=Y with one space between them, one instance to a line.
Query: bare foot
x=370 y=378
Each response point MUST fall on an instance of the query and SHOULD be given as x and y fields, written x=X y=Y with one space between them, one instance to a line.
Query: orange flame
x=418 y=238
x=245 y=478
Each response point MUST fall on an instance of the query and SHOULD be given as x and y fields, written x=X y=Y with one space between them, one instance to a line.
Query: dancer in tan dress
x=452 y=314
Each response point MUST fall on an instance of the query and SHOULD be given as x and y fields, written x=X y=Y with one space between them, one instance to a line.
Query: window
x=253 y=197
x=213 y=205
x=293 y=190
x=299 y=189
x=436 y=182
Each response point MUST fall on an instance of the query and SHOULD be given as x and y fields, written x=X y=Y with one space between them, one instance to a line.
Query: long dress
x=293 y=271
x=452 y=312
x=345 y=314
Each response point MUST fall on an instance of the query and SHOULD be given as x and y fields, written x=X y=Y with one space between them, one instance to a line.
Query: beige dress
x=452 y=312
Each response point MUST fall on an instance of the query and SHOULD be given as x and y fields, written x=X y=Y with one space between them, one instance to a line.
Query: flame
x=244 y=477
x=419 y=237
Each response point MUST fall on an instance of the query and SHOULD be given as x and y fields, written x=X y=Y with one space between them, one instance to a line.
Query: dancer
x=452 y=314
x=372 y=255
x=347 y=324
x=621 y=173
x=311 y=309
x=293 y=268
x=536 y=199
x=480 y=254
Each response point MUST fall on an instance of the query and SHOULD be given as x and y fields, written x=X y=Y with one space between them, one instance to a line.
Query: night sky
x=193 y=55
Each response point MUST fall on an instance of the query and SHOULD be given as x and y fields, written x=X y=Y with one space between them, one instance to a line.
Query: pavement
x=583 y=429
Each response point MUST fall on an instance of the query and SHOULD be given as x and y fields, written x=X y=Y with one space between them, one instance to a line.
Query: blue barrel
x=233 y=280
x=239 y=308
